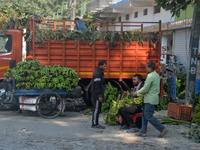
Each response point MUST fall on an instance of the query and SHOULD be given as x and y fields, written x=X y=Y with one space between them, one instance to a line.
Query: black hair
x=138 y=76
x=151 y=65
x=76 y=19
x=101 y=62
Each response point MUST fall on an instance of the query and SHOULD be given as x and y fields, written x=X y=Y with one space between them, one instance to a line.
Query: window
x=127 y=17
x=5 y=43
x=156 y=10
x=136 y=14
x=145 y=12
x=168 y=7
x=120 y=19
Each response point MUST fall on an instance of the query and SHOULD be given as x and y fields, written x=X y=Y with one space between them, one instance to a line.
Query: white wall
x=164 y=16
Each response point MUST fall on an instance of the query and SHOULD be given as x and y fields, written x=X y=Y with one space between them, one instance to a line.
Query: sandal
x=98 y=126
x=163 y=132
x=140 y=134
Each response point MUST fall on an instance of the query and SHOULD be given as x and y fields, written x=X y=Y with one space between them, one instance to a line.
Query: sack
x=27 y=100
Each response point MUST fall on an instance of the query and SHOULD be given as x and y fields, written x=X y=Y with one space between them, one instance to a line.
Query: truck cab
x=10 y=50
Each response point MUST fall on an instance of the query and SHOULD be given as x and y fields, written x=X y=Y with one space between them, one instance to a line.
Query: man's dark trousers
x=125 y=113
x=96 y=112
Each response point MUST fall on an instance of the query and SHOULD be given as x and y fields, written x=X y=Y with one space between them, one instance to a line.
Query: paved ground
x=73 y=131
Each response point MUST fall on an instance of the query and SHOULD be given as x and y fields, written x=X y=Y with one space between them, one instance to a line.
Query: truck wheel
x=87 y=98
x=77 y=92
x=49 y=105
x=1 y=85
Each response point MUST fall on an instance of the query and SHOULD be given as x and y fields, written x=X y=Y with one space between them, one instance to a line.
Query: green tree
x=46 y=8
x=176 y=5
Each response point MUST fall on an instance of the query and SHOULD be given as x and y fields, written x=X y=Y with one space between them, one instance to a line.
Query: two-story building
x=175 y=30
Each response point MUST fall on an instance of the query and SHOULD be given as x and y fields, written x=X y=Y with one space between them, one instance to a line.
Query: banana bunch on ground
x=161 y=105
x=31 y=75
x=112 y=117
x=109 y=95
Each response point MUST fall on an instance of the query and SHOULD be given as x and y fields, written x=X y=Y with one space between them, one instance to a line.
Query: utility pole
x=73 y=12
x=193 y=54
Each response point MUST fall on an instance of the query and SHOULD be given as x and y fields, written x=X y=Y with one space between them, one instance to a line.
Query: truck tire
x=87 y=98
x=77 y=92
x=1 y=85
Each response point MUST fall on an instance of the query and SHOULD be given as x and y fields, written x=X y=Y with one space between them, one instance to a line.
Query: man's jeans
x=147 y=115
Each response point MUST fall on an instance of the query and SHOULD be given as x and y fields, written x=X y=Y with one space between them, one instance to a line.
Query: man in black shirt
x=98 y=87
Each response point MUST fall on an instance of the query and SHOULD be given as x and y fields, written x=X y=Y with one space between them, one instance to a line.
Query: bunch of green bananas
x=39 y=86
x=7 y=74
x=31 y=75
x=139 y=101
x=128 y=100
x=112 y=116
x=110 y=94
x=161 y=105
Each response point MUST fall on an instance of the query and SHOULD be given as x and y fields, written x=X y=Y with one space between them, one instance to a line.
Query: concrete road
x=27 y=131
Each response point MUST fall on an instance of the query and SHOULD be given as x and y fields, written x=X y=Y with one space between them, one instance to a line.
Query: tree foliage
x=49 y=9
x=12 y=17
x=176 y=5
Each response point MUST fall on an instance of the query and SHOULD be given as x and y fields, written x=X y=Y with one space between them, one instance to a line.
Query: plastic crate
x=179 y=111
